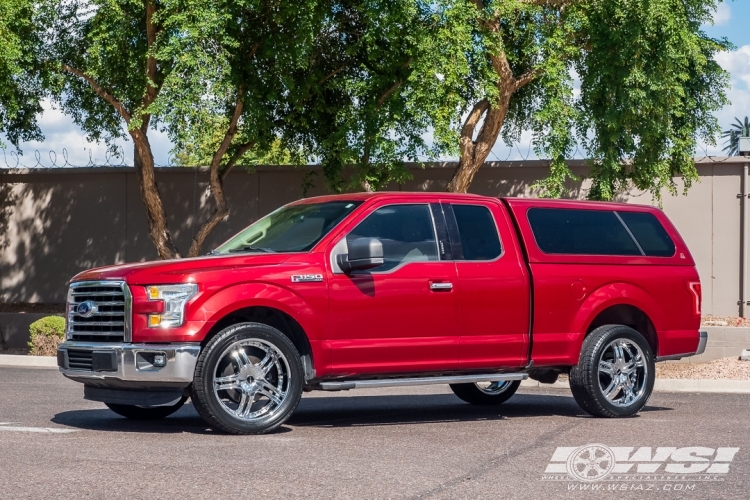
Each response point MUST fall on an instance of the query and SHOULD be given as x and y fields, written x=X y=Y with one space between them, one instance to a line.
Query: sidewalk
x=671 y=385
x=662 y=384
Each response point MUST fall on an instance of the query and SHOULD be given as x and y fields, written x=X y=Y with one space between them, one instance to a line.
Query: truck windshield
x=292 y=228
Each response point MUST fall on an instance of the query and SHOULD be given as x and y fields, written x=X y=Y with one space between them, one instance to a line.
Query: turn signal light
x=154 y=319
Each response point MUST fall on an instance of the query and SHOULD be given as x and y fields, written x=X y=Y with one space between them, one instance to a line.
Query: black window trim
x=389 y=271
x=455 y=236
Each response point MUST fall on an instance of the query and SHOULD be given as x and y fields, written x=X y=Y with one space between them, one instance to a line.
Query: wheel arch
x=631 y=316
x=275 y=318
x=621 y=304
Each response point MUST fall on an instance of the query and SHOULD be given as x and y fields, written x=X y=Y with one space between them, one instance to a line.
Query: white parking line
x=5 y=426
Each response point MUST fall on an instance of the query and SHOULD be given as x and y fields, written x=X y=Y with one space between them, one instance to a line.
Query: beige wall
x=57 y=222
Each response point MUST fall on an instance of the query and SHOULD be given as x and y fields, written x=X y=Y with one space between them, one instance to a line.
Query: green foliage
x=19 y=95
x=733 y=134
x=362 y=83
x=50 y=326
x=45 y=335
x=649 y=86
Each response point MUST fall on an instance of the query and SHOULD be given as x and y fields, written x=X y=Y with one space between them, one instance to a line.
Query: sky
x=63 y=137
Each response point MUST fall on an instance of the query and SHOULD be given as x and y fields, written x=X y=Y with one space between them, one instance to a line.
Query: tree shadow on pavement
x=337 y=411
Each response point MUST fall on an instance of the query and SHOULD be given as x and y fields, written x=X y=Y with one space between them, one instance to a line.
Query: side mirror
x=364 y=253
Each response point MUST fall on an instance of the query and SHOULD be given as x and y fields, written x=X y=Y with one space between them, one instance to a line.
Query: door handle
x=441 y=287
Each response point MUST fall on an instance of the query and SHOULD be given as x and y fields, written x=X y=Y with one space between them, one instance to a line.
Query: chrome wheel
x=493 y=388
x=252 y=379
x=622 y=372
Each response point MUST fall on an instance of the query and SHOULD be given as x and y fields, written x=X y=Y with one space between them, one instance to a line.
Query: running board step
x=396 y=382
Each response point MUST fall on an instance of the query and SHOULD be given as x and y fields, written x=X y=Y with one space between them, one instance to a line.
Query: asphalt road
x=408 y=443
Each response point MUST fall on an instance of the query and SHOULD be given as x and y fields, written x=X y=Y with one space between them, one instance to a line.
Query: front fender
x=258 y=294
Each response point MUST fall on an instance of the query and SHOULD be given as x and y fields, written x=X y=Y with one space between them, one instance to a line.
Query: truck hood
x=179 y=270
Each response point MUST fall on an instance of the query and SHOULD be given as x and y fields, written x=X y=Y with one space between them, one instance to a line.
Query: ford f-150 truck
x=387 y=289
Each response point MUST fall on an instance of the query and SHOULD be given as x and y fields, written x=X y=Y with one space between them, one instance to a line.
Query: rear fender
x=613 y=294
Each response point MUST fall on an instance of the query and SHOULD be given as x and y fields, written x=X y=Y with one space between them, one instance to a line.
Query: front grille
x=80 y=360
x=99 y=311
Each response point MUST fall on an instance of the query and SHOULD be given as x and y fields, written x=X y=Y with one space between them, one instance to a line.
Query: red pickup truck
x=387 y=289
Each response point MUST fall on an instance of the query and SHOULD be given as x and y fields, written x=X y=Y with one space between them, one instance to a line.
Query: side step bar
x=396 y=382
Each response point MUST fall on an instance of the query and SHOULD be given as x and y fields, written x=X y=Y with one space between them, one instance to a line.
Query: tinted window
x=585 y=232
x=478 y=232
x=293 y=228
x=649 y=233
x=405 y=231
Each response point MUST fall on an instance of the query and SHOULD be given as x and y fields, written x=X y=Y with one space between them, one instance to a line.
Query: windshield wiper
x=250 y=248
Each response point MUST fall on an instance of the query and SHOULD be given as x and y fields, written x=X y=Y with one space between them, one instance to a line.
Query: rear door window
x=584 y=232
x=650 y=234
x=478 y=233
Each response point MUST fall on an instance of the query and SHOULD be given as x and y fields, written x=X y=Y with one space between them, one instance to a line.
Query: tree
x=19 y=97
x=211 y=74
x=359 y=111
x=648 y=86
x=733 y=135
x=233 y=83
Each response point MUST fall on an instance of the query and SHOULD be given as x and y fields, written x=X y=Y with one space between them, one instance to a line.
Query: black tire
x=145 y=413
x=587 y=378
x=471 y=393
x=214 y=406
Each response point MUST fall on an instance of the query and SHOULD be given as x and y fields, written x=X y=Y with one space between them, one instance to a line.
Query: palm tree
x=733 y=135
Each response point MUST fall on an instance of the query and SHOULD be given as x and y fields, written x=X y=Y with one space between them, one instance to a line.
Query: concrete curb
x=28 y=361
x=662 y=384
x=672 y=385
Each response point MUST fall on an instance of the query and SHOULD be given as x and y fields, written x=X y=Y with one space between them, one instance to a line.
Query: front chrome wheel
x=251 y=379
x=248 y=379
x=623 y=372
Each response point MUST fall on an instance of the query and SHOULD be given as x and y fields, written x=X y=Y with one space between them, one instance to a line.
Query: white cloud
x=722 y=15
x=737 y=63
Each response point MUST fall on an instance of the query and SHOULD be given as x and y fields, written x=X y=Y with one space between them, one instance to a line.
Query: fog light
x=160 y=360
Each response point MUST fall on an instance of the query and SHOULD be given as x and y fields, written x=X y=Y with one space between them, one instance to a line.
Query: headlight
x=174 y=297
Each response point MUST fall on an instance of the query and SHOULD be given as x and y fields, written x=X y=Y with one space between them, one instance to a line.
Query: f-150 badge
x=306 y=278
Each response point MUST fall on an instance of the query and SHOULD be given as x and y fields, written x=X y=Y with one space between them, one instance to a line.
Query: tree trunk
x=475 y=152
x=143 y=160
x=221 y=212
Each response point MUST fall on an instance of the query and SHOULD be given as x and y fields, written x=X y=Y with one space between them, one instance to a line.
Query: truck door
x=402 y=316
x=493 y=285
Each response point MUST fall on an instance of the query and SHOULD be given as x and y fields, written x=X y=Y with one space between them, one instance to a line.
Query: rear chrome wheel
x=623 y=372
x=614 y=376
x=248 y=379
x=486 y=393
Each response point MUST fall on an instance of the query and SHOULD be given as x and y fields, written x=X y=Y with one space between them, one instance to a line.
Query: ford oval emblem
x=86 y=309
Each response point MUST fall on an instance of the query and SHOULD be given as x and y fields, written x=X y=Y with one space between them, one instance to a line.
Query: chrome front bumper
x=104 y=364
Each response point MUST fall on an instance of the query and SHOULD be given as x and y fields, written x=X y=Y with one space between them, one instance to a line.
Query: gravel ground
x=722 y=369
x=712 y=320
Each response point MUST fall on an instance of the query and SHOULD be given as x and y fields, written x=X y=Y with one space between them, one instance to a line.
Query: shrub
x=46 y=334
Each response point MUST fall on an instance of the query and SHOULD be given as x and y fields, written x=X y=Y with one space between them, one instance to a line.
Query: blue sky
x=731 y=20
